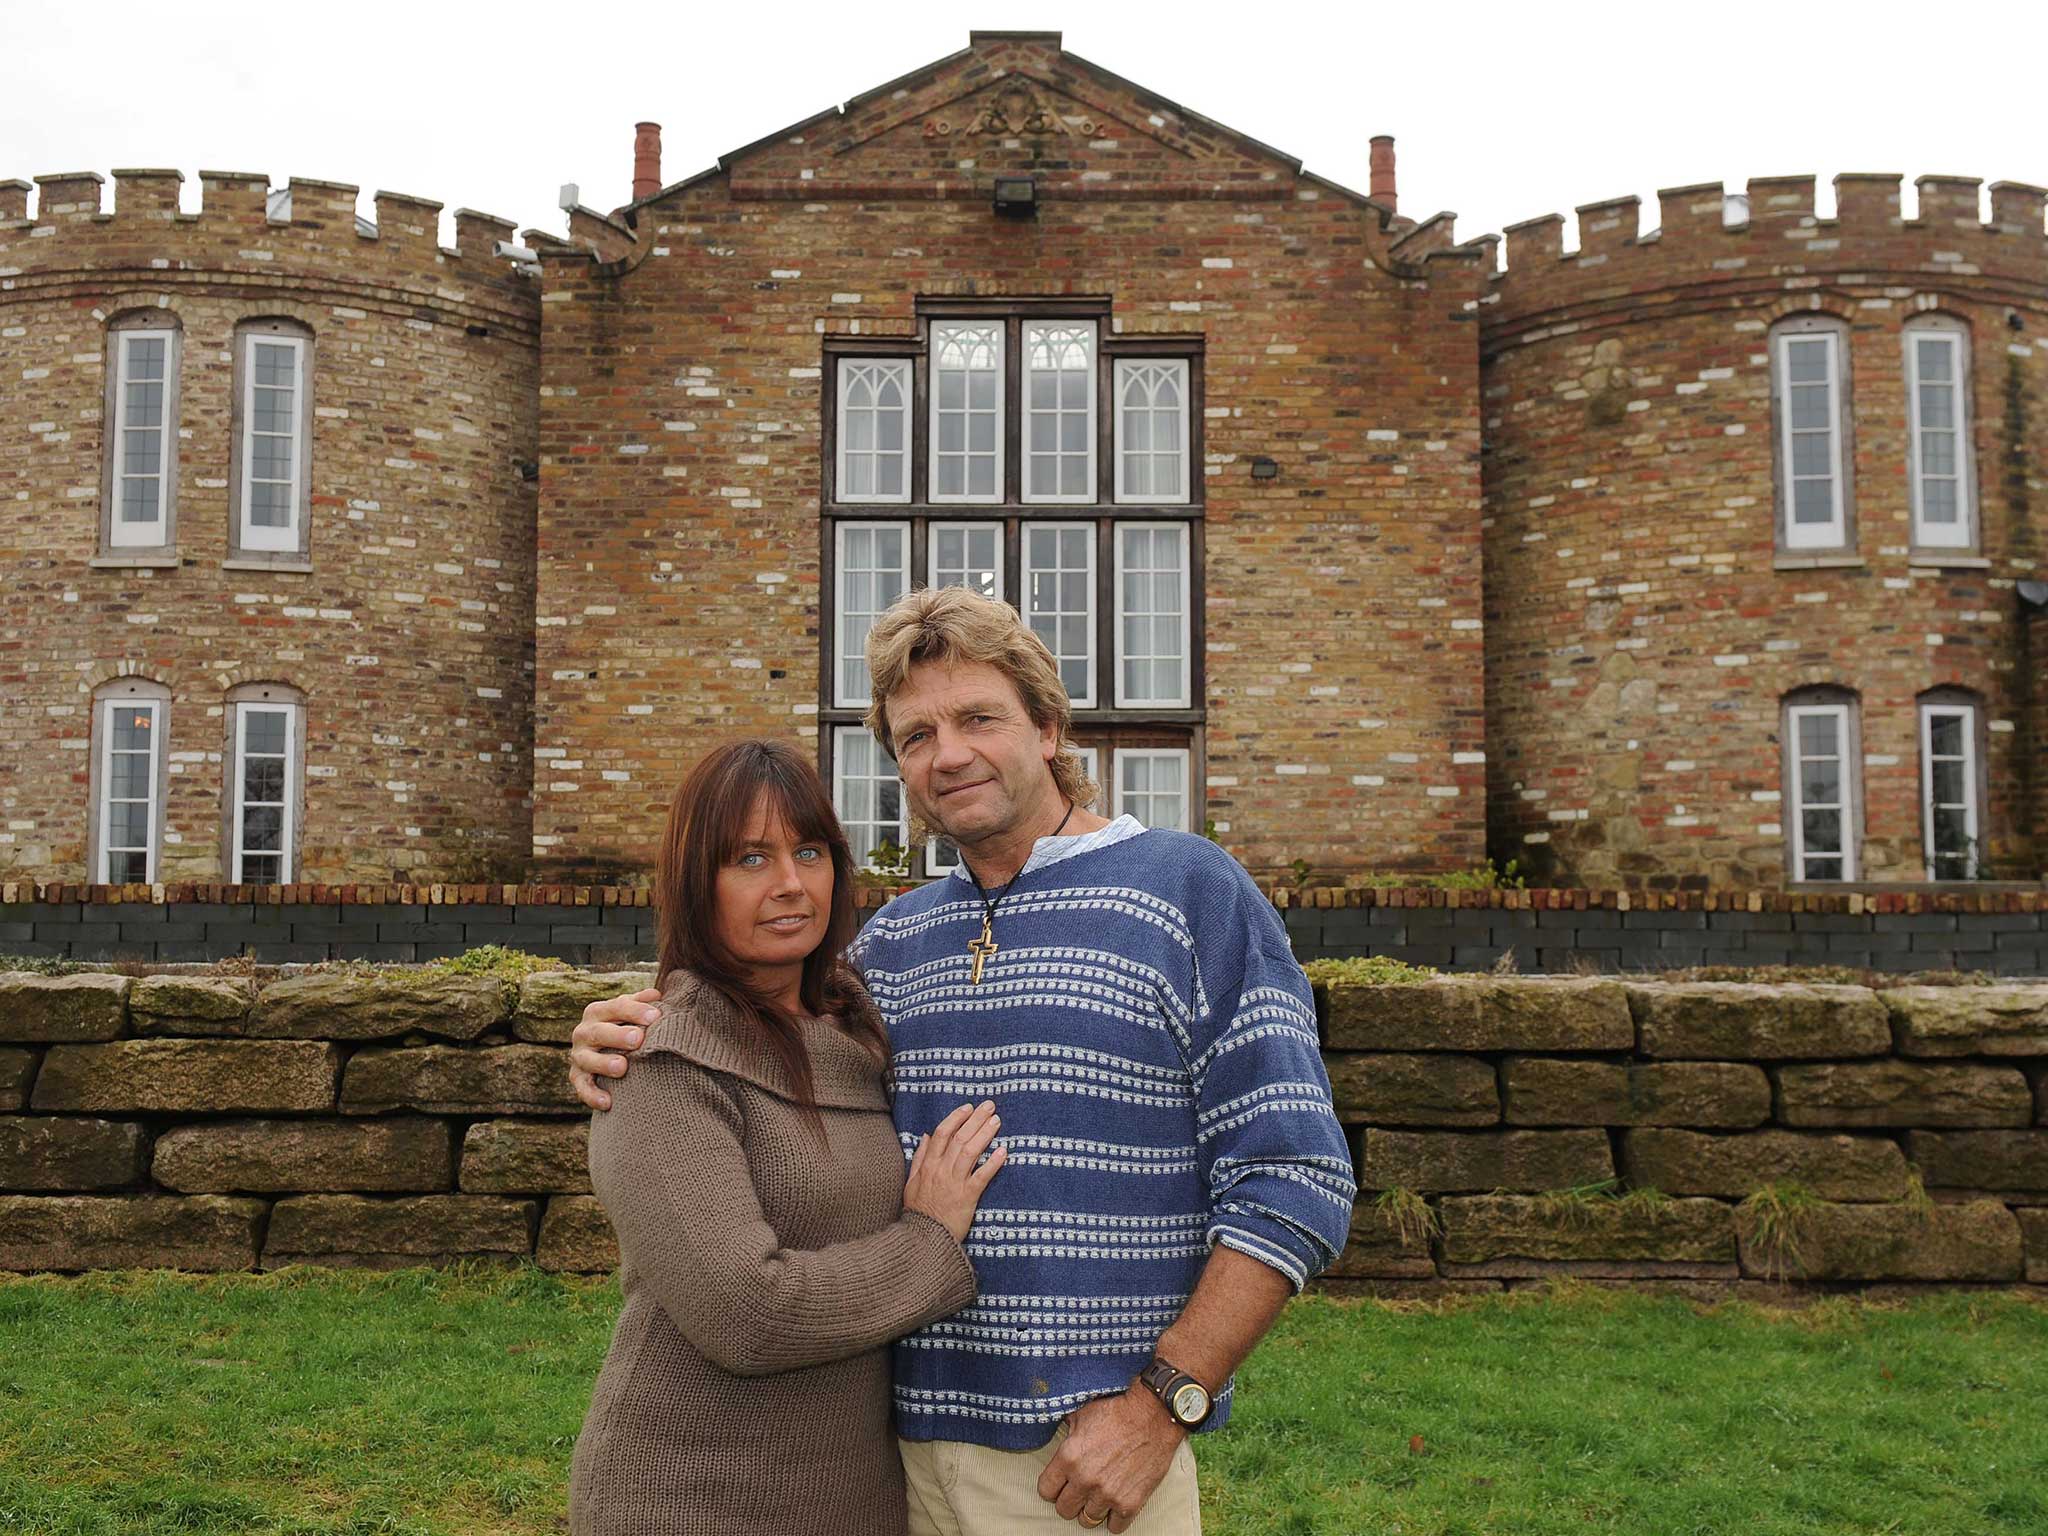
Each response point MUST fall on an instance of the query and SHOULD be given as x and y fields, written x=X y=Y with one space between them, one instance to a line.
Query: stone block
x=460 y=1080
x=75 y=1232
x=340 y=1005
x=551 y=1002
x=1379 y=1250
x=1725 y=1020
x=576 y=1237
x=191 y=1077
x=2034 y=1238
x=1503 y=1236
x=191 y=1005
x=1734 y=1167
x=1899 y=1093
x=1547 y=1090
x=1482 y=1014
x=1862 y=1243
x=358 y=1232
x=527 y=1157
x=69 y=1152
x=399 y=1154
x=2001 y=1162
x=17 y=1071
x=1969 y=1021
x=62 y=1008
x=1431 y=1162
x=1421 y=1089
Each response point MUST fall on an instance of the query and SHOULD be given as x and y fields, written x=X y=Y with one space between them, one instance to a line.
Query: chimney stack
x=1383 y=171
x=647 y=160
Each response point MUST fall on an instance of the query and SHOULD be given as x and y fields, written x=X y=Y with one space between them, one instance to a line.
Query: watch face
x=1190 y=1403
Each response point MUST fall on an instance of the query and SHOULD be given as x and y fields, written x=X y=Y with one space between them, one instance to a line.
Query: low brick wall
x=414 y=1116
x=2001 y=931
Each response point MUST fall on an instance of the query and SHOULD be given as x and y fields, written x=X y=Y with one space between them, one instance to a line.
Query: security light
x=1016 y=197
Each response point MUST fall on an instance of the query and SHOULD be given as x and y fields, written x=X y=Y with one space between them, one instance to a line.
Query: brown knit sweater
x=747 y=1385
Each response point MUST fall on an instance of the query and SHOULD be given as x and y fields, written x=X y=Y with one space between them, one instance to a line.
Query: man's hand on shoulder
x=1116 y=1451
x=609 y=1027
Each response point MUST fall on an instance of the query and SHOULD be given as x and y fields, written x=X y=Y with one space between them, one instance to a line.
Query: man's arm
x=1280 y=1187
x=1119 y=1447
x=610 y=1027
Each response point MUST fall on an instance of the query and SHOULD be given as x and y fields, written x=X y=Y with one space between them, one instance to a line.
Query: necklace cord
x=988 y=907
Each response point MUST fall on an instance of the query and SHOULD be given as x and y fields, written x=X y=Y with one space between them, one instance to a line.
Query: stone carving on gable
x=1013 y=111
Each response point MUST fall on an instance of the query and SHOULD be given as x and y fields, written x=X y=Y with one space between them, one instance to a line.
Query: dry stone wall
x=1504 y=1129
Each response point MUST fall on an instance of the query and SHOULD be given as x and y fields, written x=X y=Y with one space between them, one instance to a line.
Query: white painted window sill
x=293 y=567
x=1950 y=562
x=1816 y=562
x=155 y=560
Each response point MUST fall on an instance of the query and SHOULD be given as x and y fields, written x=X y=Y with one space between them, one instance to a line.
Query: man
x=1175 y=1170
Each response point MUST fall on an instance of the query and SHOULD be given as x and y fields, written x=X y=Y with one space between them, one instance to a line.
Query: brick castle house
x=1704 y=556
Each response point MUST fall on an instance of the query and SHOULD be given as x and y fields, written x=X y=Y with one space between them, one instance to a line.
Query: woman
x=771 y=1245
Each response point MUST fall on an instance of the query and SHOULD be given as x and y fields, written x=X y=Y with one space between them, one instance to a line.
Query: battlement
x=240 y=212
x=1771 y=230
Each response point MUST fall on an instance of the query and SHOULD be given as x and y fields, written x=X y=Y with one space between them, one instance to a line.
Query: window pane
x=261 y=868
x=1807 y=360
x=269 y=504
x=870 y=797
x=1811 y=453
x=263 y=780
x=1823 y=869
x=133 y=729
x=127 y=868
x=129 y=824
x=1951 y=829
x=265 y=729
x=1938 y=501
x=1945 y=734
x=1820 y=782
x=274 y=364
x=1813 y=501
x=1937 y=406
x=1822 y=831
x=128 y=775
x=262 y=828
x=1810 y=408
x=1934 y=355
x=138 y=501
x=1947 y=781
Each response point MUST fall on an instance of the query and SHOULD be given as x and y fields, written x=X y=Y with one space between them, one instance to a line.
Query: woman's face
x=774 y=893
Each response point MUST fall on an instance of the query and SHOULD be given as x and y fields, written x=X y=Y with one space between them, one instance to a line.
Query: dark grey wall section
x=1450 y=938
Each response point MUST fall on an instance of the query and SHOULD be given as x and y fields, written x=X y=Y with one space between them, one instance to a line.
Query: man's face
x=972 y=761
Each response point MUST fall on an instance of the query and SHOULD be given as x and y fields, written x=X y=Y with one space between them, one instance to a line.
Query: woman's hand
x=944 y=1182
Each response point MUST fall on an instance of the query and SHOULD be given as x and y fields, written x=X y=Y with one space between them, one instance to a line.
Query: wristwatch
x=1186 y=1399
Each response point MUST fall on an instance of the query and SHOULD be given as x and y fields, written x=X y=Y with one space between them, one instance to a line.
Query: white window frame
x=844 y=653
x=156 y=533
x=1833 y=534
x=1180 y=756
x=285 y=540
x=996 y=327
x=289 y=820
x=986 y=528
x=1962 y=533
x=159 y=711
x=1125 y=700
x=1086 y=698
x=840 y=736
x=1967 y=714
x=1128 y=365
x=901 y=368
x=1843 y=717
x=1087 y=495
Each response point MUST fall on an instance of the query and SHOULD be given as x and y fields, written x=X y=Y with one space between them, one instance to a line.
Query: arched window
x=1821 y=733
x=1940 y=465
x=874 y=429
x=1152 y=430
x=139 y=462
x=130 y=724
x=1951 y=783
x=1810 y=433
x=265 y=783
x=270 y=485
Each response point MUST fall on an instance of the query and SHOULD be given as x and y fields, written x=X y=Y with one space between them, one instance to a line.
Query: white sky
x=1502 y=112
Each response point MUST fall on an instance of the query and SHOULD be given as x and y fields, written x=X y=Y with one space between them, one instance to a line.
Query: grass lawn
x=424 y=1402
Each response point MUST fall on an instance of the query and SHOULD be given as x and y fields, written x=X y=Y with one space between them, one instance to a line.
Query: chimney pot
x=1383 y=171
x=646 y=160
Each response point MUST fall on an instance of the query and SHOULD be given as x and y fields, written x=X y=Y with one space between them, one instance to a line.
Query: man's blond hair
x=949 y=625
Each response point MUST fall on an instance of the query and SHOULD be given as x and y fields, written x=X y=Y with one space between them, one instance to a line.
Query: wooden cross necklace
x=984 y=947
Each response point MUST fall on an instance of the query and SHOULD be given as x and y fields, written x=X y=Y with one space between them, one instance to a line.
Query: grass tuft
x=1776 y=1210
x=1413 y=1219
x=1368 y=971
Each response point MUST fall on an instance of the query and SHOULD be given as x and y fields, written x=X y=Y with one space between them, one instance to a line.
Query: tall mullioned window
x=1938 y=434
x=1950 y=815
x=1821 y=758
x=270 y=475
x=1809 y=393
x=130 y=723
x=1046 y=461
x=144 y=437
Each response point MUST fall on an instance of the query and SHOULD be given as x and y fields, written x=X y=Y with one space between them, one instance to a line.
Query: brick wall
x=683 y=366
x=410 y=634
x=1642 y=626
x=420 y=1118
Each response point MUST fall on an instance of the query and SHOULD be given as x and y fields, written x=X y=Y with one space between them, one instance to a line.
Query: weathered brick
x=1734 y=1167
x=76 y=1232
x=358 y=1232
x=390 y=1154
x=191 y=1076
x=1900 y=1093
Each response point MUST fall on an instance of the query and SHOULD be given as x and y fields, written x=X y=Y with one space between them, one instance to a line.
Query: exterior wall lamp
x=1016 y=197
x=1265 y=469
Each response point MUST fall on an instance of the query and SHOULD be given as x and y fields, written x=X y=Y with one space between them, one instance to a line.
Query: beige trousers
x=957 y=1489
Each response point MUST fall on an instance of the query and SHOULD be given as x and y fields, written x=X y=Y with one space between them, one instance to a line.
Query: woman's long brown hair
x=707 y=823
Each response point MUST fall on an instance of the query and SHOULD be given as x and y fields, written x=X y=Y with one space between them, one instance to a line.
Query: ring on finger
x=1092 y=1524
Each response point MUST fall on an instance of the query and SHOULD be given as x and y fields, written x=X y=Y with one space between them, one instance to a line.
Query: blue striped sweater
x=1151 y=1045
